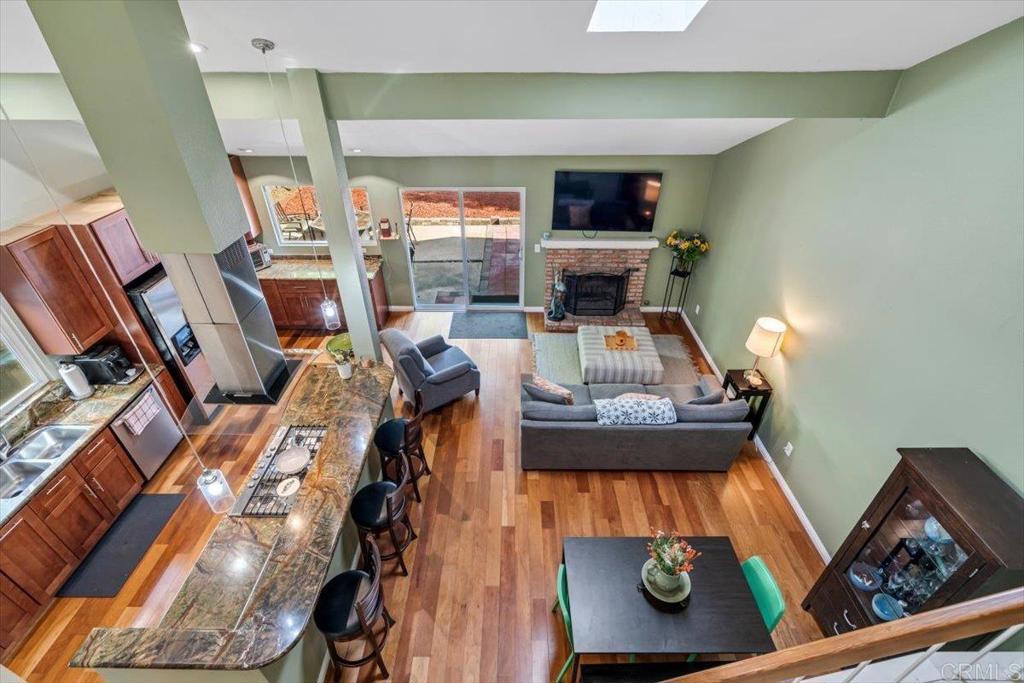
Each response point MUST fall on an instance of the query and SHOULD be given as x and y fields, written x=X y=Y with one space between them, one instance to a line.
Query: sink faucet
x=5 y=446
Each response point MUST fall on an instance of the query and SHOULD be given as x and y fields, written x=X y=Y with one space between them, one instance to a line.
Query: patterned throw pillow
x=632 y=411
x=636 y=396
x=552 y=388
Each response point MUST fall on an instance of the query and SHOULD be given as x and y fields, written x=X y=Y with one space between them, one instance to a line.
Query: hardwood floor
x=477 y=603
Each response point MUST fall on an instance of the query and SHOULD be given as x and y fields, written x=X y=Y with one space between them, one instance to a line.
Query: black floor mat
x=111 y=562
x=488 y=325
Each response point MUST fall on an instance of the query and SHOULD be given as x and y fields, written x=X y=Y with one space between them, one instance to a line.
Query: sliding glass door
x=465 y=246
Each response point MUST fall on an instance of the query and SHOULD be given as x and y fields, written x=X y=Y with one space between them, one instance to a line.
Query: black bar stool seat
x=335 y=615
x=390 y=435
x=369 y=507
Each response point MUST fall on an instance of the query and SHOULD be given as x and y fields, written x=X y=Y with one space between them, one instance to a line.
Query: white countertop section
x=649 y=243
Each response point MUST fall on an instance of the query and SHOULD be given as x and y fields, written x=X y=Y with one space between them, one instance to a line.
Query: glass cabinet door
x=908 y=561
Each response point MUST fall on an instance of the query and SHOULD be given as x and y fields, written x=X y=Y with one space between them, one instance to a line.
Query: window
x=23 y=366
x=295 y=213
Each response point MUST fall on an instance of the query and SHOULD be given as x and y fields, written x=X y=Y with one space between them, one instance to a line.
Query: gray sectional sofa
x=568 y=437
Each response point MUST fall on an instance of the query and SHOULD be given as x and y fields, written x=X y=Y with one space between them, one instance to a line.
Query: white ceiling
x=544 y=35
x=503 y=137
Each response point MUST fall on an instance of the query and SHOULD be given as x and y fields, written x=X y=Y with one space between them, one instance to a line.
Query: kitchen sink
x=15 y=477
x=48 y=443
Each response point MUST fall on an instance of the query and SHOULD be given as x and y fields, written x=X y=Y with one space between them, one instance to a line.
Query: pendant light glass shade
x=332 y=320
x=216 y=491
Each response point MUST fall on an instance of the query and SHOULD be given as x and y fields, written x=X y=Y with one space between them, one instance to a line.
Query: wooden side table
x=756 y=396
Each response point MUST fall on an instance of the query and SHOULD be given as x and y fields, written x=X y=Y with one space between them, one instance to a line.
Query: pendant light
x=328 y=308
x=211 y=482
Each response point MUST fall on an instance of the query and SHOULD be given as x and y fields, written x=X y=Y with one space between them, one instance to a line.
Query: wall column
x=330 y=176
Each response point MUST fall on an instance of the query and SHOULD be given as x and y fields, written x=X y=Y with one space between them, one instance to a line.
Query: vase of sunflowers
x=668 y=570
x=688 y=248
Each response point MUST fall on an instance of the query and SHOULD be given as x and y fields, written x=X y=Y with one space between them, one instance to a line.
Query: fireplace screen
x=595 y=293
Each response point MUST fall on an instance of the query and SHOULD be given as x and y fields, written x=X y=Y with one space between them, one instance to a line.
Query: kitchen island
x=248 y=601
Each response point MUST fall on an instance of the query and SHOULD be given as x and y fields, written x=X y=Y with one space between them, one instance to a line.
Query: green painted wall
x=684 y=189
x=893 y=248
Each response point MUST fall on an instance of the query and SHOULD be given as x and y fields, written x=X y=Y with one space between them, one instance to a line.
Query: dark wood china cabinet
x=943 y=528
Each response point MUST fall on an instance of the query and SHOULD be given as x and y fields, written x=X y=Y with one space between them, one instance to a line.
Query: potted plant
x=670 y=565
x=688 y=248
x=340 y=348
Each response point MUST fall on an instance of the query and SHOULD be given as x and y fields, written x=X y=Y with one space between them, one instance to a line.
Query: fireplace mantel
x=648 y=244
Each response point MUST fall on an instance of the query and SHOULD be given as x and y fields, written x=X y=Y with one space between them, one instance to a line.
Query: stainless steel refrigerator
x=161 y=313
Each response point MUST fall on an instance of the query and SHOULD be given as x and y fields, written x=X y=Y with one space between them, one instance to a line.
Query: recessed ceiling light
x=649 y=15
x=196 y=48
x=356 y=151
x=245 y=150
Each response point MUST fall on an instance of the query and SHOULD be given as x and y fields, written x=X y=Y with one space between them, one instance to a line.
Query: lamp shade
x=766 y=337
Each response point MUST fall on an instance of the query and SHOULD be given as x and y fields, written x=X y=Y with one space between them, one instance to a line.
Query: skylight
x=643 y=15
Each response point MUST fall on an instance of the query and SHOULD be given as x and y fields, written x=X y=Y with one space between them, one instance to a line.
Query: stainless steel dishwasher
x=147 y=431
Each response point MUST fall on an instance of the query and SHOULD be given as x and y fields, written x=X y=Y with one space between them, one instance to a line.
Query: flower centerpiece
x=340 y=348
x=670 y=565
x=688 y=248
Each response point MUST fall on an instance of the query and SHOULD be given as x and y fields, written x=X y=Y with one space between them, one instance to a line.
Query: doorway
x=465 y=246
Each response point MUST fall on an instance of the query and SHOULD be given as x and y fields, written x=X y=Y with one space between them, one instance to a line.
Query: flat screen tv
x=602 y=200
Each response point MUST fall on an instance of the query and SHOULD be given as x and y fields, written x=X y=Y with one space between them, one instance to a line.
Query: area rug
x=556 y=357
x=111 y=562
x=487 y=325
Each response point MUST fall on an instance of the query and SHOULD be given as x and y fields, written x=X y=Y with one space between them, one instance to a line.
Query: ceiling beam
x=349 y=96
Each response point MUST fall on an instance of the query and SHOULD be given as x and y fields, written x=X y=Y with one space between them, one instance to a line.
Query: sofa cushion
x=643 y=397
x=453 y=355
x=605 y=391
x=554 y=412
x=679 y=393
x=631 y=411
x=537 y=394
x=708 y=399
x=400 y=346
x=729 y=411
x=553 y=388
x=709 y=384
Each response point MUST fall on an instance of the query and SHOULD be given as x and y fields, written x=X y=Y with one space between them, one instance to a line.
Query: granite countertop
x=251 y=594
x=293 y=268
x=54 y=406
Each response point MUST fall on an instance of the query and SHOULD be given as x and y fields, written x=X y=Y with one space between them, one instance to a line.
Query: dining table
x=611 y=614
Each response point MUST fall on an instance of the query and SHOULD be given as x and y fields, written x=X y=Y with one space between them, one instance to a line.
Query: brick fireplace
x=612 y=257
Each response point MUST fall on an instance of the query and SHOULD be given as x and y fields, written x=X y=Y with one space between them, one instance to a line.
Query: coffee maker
x=105 y=364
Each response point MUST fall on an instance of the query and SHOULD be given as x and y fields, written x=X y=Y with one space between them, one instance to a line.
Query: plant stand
x=677 y=286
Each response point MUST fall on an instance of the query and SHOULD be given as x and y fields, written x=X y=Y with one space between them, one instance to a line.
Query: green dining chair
x=766 y=591
x=562 y=602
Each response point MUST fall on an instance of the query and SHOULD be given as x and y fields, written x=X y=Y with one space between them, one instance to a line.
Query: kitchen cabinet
x=943 y=528
x=73 y=512
x=246 y=195
x=33 y=557
x=17 y=612
x=46 y=282
x=115 y=480
x=120 y=243
x=296 y=303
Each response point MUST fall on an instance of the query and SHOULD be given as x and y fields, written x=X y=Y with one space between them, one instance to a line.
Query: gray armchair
x=439 y=371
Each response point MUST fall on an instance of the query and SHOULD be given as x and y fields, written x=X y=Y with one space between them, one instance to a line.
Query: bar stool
x=382 y=507
x=349 y=607
x=404 y=435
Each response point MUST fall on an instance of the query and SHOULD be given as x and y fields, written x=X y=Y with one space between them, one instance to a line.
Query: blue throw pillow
x=631 y=411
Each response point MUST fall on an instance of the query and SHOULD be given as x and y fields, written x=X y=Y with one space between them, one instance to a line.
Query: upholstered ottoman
x=603 y=366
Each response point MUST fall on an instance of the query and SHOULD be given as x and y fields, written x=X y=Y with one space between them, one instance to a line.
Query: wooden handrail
x=962 y=620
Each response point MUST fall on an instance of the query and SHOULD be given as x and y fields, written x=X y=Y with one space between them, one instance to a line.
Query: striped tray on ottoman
x=602 y=366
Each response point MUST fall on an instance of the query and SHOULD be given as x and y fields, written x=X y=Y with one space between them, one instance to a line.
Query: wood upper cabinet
x=126 y=254
x=17 y=612
x=73 y=512
x=33 y=557
x=53 y=295
x=246 y=194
